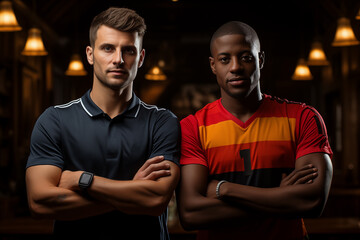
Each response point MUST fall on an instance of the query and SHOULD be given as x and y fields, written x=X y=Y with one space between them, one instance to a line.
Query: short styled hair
x=122 y=19
x=236 y=27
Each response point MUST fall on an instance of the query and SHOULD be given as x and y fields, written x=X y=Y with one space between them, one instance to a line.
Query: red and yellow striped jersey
x=256 y=152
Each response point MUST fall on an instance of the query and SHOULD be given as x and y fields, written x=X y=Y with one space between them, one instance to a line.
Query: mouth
x=117 y=72
x=237 y=81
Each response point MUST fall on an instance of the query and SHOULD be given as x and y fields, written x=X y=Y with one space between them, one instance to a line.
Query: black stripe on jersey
x=319 y=123
x=320 y=129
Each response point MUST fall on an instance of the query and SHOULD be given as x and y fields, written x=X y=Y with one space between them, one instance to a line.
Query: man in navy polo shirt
x=106 y=164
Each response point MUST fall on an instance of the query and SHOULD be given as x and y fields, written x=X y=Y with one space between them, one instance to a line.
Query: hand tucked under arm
x=153 y=169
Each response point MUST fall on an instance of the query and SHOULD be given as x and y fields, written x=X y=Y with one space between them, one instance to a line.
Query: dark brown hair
x=122 y=19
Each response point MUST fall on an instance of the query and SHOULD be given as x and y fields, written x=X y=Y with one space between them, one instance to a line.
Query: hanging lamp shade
x=155 y=74
x=358 y=15
x=76 y=67
x=34 y=45
x=302 y=71
x=317 y=55
x=8 y=22
x=344 y=35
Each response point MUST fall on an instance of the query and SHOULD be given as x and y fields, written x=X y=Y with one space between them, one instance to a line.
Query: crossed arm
x=55 y=194
x=303 y=193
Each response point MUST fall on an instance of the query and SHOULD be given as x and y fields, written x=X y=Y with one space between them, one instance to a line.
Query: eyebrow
x=223 y=53
x=240 y=53
x=111 y=44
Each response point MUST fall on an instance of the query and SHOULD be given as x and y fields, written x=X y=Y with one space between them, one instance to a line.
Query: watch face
x=85 y=178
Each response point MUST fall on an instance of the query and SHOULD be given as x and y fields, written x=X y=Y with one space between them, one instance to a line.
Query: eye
x=129 y=51
x=247 y=58
x=107 y=48
x=224 y=60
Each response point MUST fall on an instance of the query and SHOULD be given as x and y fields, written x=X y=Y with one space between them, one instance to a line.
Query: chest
x=267 y=143
x=111 y=148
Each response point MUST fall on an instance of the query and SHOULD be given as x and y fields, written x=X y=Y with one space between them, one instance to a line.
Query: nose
x=118 y=58
x=235 y=65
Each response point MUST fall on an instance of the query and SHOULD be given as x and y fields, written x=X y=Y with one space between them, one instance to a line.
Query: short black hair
x=236 y=27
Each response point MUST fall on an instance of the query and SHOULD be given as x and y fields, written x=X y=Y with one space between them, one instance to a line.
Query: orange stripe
x=262 y=129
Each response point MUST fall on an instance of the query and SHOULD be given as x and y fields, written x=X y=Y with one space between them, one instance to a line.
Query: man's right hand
x=153 y=169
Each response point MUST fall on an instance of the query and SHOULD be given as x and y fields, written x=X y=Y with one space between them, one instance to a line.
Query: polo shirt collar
x=93 y=110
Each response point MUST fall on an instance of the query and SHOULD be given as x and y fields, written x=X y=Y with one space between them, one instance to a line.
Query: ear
x=90 y=55
x=261 y=59
x=142 y=57
x=212 y=65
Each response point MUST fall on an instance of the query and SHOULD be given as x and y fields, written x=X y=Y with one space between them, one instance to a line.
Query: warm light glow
x=155 y=74
x=344 y=35
x=302 y=71
x=317 y=55
x=358 y=15
x=8 y=22
x=34 y=45
x=76 y=67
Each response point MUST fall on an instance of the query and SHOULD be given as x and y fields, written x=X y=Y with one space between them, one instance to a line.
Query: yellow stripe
x=261 y=129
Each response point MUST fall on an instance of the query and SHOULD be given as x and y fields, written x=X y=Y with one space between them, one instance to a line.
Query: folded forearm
x=295 y=200
x=63 y=204
x=205 y=212
x=132 y=197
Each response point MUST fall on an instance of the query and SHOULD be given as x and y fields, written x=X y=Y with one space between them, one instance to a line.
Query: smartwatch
x=85 y=180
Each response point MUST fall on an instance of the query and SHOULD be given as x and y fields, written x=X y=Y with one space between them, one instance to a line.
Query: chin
x=239 y=94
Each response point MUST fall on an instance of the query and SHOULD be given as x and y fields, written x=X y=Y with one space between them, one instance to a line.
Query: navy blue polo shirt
x=80 y=136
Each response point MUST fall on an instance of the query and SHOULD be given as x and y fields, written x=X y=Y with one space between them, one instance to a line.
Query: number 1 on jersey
x=245 y=154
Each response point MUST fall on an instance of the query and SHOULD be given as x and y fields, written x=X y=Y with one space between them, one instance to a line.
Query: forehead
x=231 y=43
x=110 y=35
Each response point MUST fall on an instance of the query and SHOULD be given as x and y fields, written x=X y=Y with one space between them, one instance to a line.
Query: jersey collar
x=93 y=110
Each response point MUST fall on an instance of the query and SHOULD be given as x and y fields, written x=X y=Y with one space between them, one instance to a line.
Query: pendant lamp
x=34 y=45
x=302 y=71
x=358 y=15
x=155 y=74
x=76 y=67
x=317 y=55
x=344 y=35
x=8 y=22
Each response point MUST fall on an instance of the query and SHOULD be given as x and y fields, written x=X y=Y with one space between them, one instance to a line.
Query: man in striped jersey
x=105 y=166
x=252 y=165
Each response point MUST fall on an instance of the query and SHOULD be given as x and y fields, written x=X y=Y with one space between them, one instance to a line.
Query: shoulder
x=52 y=116
x=160 y=118
x=153 y=109
x=208 y=113
x=282 y=106
x=69 y=104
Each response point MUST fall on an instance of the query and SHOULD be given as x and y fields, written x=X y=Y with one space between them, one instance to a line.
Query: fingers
x=307 y=176
x=153 y=169
x=151 y=161
x=158 y=174
x=303 y=175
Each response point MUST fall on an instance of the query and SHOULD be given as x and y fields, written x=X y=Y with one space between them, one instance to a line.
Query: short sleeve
x=166 y=138
x=312 y=134
x=191 y=148
x=45 y=145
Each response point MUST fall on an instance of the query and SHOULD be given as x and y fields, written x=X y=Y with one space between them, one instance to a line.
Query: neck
x=111 y=101
x=243 y=107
